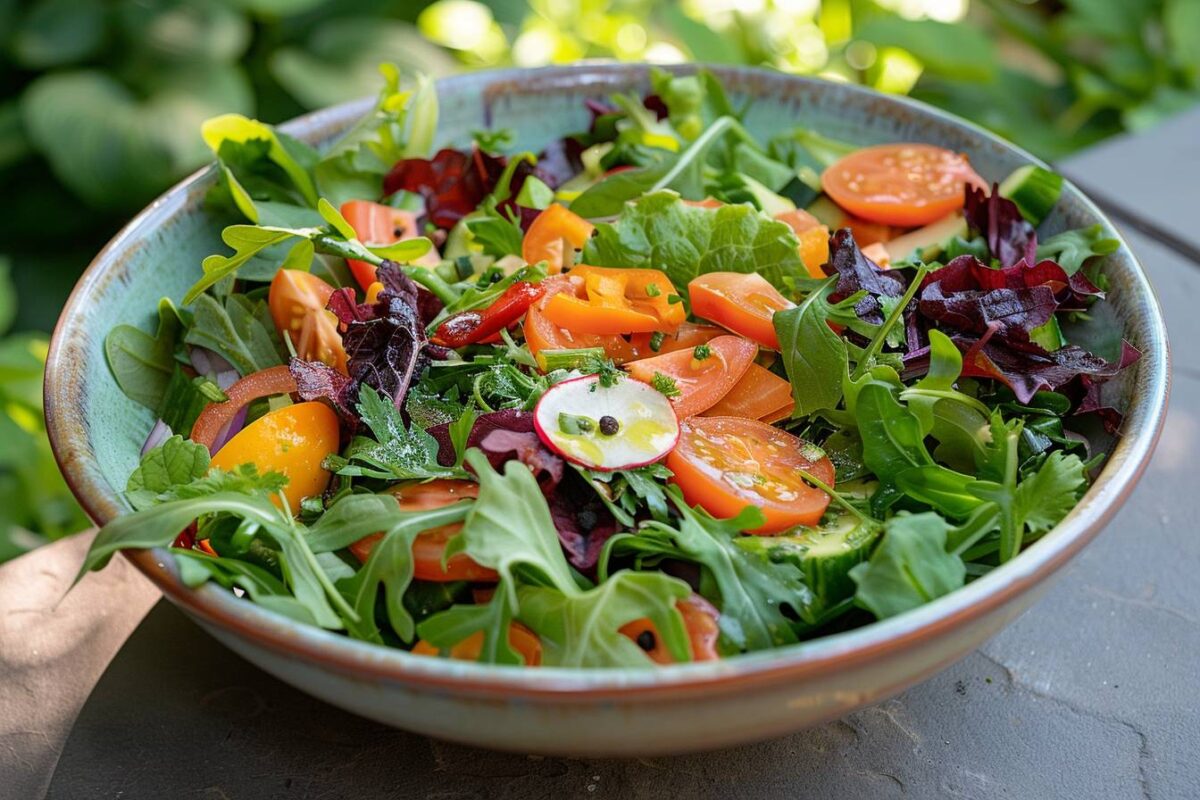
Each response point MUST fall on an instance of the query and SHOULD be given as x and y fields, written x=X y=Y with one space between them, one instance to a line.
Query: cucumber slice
x=825 y=554
x=827 y=212
x=929 y=242
x=1034 y=190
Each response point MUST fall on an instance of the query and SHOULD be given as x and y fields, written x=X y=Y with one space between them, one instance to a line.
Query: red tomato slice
x=813 y=236
x=742 y=302
x=759 y=394
x=376 y=223
x=700 y=621
x=725 y=464
x=687 y=336
x=430 y=545
x=900 y=184
x=297 y=301
x=701 y=383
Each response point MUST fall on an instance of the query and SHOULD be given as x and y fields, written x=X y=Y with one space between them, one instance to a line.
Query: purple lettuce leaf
x=1010 y=237
x=857 y=273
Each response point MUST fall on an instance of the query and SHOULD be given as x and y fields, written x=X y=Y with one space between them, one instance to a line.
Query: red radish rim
x=549 y=443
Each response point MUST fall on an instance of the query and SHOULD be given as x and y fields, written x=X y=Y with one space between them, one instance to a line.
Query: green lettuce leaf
x=660 y=231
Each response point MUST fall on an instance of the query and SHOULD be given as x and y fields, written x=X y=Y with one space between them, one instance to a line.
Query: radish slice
x=623 y=426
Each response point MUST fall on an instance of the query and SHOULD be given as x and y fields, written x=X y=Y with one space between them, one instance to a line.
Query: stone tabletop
x=1092 y=694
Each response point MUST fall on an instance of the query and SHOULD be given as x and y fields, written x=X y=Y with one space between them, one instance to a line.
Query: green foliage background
x=101 y=103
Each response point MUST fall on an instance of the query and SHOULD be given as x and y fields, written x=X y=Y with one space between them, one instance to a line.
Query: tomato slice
x=297 y=301
x=376 y=223
x=813 y=236
x=520 y=639
x=430 y=545
x=292 y=440
x=215 y=416
x=725 y=464
x=700 y=621
x=612 y=300
x=901 y=184
x=551 y=234
x=759 y=394
x=744 y=303
x=701 y=382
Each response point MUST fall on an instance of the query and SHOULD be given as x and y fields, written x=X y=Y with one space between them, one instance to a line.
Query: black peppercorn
x=645 y=640
x=609 y=425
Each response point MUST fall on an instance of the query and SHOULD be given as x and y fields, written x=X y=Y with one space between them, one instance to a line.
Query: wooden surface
x=1092 y=694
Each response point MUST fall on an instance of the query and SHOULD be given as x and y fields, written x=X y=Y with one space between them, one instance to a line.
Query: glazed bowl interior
x=96 y=431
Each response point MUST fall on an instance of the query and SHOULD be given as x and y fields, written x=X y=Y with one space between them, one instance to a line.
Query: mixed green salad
x=664 y=391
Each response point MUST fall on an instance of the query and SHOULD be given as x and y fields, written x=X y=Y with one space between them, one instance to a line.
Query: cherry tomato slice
x=520 y=639
x=701 y=382
x=430 y=545
x=759 y=394
x=700 y=621
x=292 y=440
x=725 y=464
x=297 y=301
x=376 y=223
x=686 y=337
x=744 y=303
x=900 y=184
x=551 y=234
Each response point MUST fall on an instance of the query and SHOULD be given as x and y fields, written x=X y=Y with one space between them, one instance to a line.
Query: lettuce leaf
x=660 y=231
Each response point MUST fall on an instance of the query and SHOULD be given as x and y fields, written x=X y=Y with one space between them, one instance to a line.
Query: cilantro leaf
x=399 y=452
x=660 y=231
x=175 y=462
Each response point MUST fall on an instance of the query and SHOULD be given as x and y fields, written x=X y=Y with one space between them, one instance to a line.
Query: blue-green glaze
x=96 y=433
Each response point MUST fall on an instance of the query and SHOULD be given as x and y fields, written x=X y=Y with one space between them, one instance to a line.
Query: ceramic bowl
x=96 y=432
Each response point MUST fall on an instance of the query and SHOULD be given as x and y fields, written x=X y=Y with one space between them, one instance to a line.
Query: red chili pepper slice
x=471 y=327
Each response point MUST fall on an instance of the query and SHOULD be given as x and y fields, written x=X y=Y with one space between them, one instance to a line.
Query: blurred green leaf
x=14 y=146
x=176 y=31
x=8 y=296
x=1181 y=23
x=958 y=51
x=53 y=33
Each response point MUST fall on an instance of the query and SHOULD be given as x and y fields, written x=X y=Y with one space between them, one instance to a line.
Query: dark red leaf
x=582 y=520
x=453 y=182
x=857 y=273
x=318 y=381
x=1010 y=238
x=504 y=436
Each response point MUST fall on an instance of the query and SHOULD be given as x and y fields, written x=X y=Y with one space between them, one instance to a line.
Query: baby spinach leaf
x=142 y=364
x=240 y=331
x=909 y=568
x=816 y=358
x=660 y=231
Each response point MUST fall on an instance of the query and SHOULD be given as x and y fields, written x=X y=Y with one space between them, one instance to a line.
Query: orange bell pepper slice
x=612 y=300
x=550 y=233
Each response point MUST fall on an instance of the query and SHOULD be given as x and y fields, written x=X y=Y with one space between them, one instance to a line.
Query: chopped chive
x=701 y=352
x=656 y=340
x=575 y=424
x=674 y=298
x=665 y=384
x=573 y=358
x=652 y=290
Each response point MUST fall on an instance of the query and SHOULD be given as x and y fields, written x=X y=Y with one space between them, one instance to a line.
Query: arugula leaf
x=390 y=567
x=660 y=231
x=1070 y=249
x=174 y=462
x=142 y=364
x=753 y=591
x=626 y=491
x=400 y=452
x=909 y=567
x=583 y=629
x=815 y=358
x=447 y=628
x=240 y=331
x=892 y=440
x=682 y=172
x=265 y=589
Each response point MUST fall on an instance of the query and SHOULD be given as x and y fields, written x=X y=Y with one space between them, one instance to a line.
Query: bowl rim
x=824 y=655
